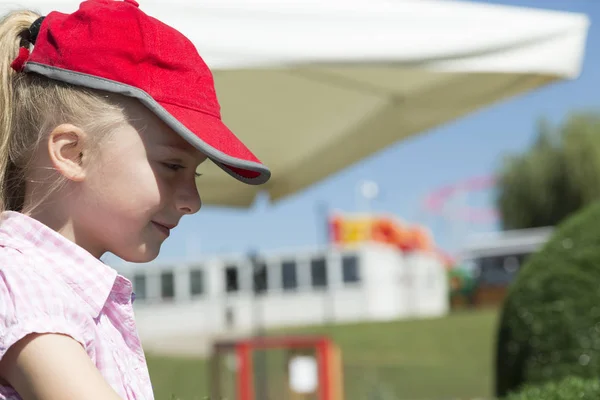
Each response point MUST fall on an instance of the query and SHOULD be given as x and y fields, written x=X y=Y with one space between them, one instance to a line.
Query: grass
x=184 y=379
x=440 y=358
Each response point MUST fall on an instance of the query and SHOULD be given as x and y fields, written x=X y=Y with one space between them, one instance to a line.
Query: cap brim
x=205 y=132
x=212 y=137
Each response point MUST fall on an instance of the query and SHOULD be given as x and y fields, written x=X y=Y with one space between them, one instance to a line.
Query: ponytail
x=12 y=30
x=31 y=106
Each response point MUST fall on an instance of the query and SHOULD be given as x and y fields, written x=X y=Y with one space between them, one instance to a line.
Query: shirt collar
x=88 y=277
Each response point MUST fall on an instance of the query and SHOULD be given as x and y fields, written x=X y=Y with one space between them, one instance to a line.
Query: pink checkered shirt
x=49 y=284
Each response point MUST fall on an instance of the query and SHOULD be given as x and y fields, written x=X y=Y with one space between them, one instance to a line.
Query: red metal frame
x=324 y=373
x=323 y=346
x=245 y=384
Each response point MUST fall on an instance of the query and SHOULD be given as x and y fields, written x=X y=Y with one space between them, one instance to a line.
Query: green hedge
x=571 y=388
x=550 y=325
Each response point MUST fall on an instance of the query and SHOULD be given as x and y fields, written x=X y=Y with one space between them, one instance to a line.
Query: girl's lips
x=164 y=229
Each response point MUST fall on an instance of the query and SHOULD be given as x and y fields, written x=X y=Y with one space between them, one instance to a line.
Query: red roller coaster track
x=436 y=202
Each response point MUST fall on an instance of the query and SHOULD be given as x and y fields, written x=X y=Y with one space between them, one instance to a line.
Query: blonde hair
x=32 y=105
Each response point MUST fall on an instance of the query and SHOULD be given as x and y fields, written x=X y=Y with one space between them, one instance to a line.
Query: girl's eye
x=177 y=167
x=174 y=167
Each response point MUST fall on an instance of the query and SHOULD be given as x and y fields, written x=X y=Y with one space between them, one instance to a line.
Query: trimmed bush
x=571 y=388
x=550 y=324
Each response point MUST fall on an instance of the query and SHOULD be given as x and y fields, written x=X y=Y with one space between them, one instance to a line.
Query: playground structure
x=347 y=230
x=312 y=365
x=450 y=205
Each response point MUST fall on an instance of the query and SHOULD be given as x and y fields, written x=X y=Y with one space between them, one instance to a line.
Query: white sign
x=303 y=374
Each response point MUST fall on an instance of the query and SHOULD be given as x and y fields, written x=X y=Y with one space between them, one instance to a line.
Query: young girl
x=105 y=114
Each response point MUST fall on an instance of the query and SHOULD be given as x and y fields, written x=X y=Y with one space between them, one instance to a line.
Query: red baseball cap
x=115 y=47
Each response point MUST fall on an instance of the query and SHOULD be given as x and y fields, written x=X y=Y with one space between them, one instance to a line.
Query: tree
x=558 y=175
x=549 y=327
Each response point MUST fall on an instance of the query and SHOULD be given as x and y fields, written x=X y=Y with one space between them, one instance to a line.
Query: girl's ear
x=66 y=149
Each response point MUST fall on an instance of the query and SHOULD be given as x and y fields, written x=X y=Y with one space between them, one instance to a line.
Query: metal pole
x=368 y=191
x=323 y=228
x=257 y=291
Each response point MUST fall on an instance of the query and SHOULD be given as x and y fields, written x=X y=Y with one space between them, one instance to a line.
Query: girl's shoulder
x=26 y=284
x=32 y=300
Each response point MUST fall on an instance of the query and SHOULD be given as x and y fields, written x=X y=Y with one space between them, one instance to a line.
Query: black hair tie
x=34 y=30
x=28 y=39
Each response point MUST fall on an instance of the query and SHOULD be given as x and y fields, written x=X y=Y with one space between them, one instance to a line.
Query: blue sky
x=470 y=147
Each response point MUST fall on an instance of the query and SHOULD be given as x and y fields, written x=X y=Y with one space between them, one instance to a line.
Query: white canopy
x=313 y=86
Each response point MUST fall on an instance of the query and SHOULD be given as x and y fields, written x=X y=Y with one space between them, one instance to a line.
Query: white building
x=179 y=303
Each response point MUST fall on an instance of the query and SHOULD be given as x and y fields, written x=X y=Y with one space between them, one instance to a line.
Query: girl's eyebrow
x=176 y=148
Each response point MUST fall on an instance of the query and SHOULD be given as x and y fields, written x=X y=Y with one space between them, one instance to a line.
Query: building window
x=494 y=271
x=259 y=277
x=511 y=264
x=139 y=287
x=289 y=277
x=232 y=283
x=318 y=272
x=350 y=269
x=522 y=259
x=196 y=282
x=167 y=285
